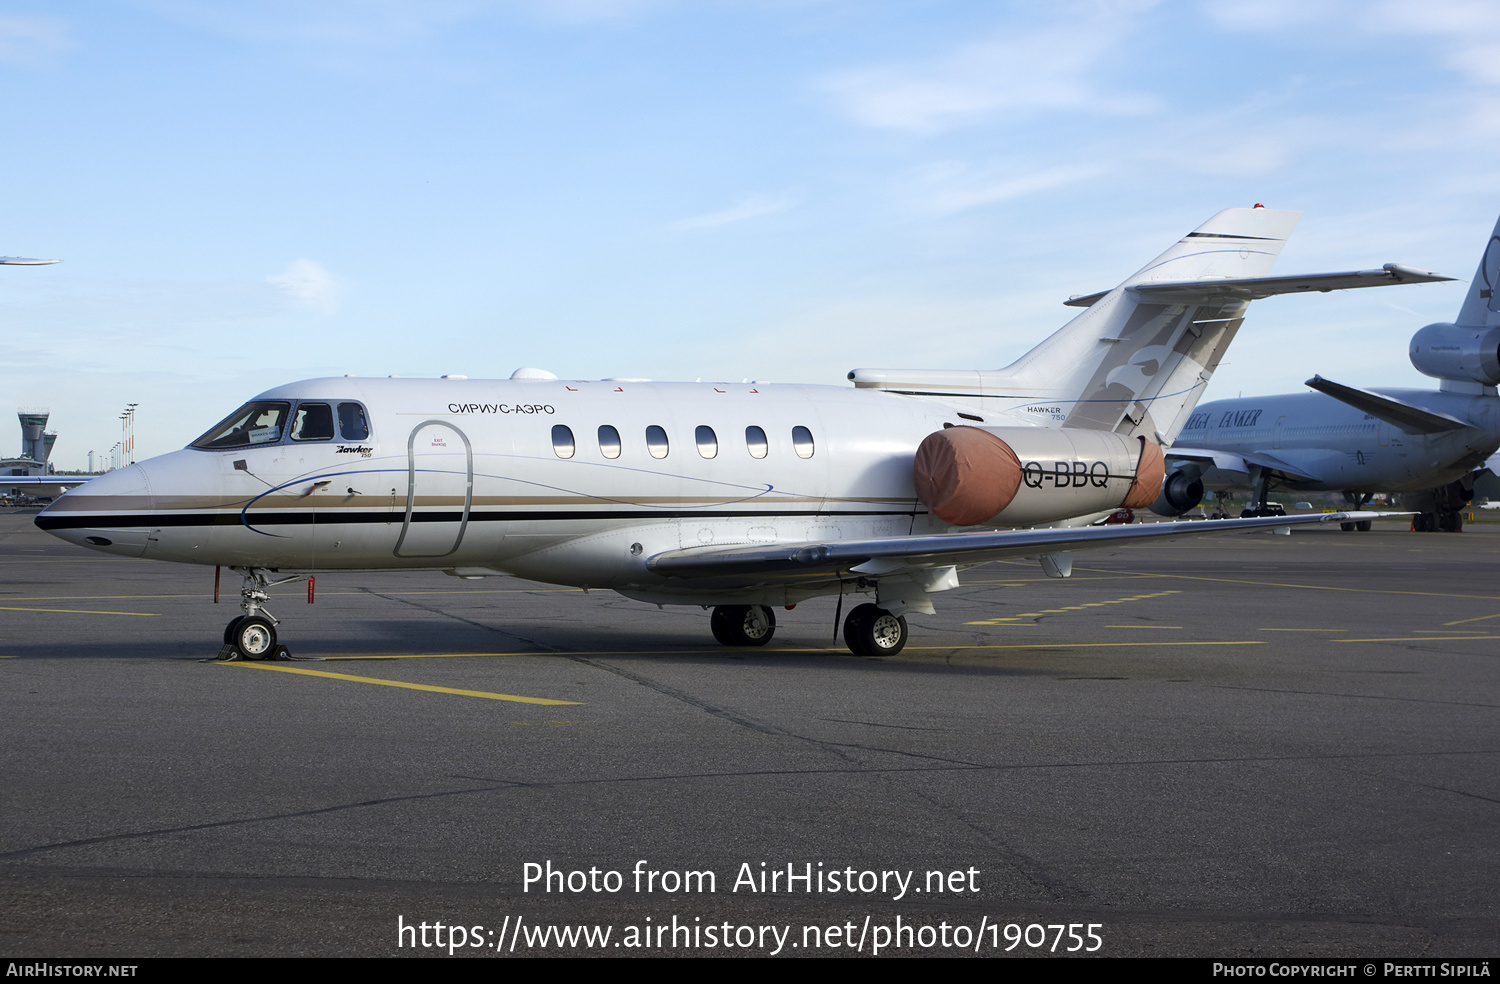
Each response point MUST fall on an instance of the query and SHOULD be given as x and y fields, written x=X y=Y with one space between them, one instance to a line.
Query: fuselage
x=1335 y=447
x=574 y=482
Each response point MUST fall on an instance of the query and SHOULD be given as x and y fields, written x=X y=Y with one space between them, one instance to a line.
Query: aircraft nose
x=112 y=513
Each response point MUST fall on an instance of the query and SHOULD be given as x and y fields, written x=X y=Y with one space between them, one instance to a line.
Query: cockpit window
x=352 y=423
x=314 y=422
x=250 y=425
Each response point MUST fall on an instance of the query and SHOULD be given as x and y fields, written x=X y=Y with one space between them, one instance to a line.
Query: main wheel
x=255 y=637
x=1364 y=525
x=872 y=631
x=743 y=625
x=1347 y=527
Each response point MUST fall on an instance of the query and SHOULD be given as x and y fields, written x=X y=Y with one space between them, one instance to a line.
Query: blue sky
x=247 y=194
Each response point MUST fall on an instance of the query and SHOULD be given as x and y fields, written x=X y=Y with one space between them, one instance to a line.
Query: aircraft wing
x=1413 y=420
x=42 y=484
x=1255 y=288
x=23 y=261
x=1224 y=461
x=888 y=554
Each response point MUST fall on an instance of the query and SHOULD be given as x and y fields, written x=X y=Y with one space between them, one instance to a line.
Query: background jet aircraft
x=740 y=496
x=1428 y=445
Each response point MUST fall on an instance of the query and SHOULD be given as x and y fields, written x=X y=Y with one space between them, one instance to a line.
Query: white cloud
x=952 y=187
x=748 y=208
x=1018 y=74
x=29 y=40
x=307 y=282
x=1477 y=62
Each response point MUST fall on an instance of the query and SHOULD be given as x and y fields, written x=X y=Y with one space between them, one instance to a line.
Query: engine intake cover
x=965 y=475
x=1150 y=473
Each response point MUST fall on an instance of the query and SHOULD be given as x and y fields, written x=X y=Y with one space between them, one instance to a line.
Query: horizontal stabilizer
x=1255 y=288
x=23 y=261
x=1413 y=420
x=949 y=549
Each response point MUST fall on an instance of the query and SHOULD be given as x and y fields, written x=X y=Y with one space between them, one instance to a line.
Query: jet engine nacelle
x=1018 y=476
x=1182 y=490
x=1450 y=351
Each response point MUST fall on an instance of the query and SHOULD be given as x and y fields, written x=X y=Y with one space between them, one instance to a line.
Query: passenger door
x=439 y=490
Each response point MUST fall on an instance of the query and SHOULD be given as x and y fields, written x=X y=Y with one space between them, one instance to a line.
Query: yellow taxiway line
x=79 y=611
x=1445 y=638
x=400 y=683
x=1011 y=619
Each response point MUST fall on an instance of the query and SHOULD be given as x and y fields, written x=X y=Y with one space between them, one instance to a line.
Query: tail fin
x=1136 y=361
x=1482 y=305
x=1136 y=364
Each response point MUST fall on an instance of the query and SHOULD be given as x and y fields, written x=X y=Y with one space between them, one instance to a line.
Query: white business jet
x=740 y=496
x=1426 y=445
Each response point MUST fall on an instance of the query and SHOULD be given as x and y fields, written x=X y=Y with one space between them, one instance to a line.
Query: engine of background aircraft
x=1181 y=492
x=1449 y=351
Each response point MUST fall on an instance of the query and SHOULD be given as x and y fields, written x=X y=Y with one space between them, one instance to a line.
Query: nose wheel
x=254 y=637
x=253 y=634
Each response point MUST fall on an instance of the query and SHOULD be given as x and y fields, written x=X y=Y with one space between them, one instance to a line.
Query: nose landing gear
x=253 y=634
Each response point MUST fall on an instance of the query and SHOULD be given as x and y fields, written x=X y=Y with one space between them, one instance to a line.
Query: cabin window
x=656 y=441
x=609 y=441
x=250 y=425
x=802 y=442
x=755 y=440
x=314 y=422
x=352 y=423
x=708 y=442
x=562 y=440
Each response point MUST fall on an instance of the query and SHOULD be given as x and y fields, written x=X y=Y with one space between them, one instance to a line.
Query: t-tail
x=1137 y=360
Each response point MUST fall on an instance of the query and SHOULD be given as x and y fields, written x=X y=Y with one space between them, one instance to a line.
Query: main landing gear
x=872 y=631
x=868 y=630
x=743 y=625
x=253 y=634
x=1357 y=501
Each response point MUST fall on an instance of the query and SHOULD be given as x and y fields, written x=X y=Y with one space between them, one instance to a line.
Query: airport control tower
x=33 y=443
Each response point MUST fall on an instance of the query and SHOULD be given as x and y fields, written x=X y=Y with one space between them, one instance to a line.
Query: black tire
x=719 y=622
x=255 y=637
x=1364 y=525
x=743 y=625
x=853 y=628
x=1347 y=527
x=234 y=623
x=870 y=631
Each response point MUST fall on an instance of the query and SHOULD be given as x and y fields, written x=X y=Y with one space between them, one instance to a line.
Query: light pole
x=127 y=434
